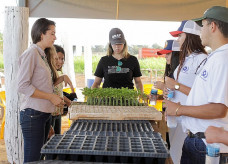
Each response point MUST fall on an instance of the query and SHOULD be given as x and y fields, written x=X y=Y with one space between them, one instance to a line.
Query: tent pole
x=117 y=9
x=15 y=38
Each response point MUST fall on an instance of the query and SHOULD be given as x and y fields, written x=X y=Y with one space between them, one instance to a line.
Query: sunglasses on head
x=118 y=68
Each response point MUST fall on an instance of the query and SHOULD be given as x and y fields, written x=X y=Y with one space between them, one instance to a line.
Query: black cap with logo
x=116 y=36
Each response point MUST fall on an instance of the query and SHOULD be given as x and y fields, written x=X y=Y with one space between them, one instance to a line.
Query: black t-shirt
x=118 y=73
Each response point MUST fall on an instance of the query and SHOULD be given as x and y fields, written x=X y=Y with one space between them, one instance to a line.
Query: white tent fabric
x=157 y=10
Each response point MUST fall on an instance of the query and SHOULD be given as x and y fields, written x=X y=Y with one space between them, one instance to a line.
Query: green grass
x=1 y=61
x=153 y=63
x=148 y=63
x=79 y=64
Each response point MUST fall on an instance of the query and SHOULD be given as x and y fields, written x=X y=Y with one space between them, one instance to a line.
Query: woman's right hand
x=159 y=85
x=56 y=100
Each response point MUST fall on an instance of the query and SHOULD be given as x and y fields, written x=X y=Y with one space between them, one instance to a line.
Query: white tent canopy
x=156 y=10
x=16 y=37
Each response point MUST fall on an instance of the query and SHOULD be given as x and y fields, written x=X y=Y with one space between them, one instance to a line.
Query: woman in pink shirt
x=35 y=83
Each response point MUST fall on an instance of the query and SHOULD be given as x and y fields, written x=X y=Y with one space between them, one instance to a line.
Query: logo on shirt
x=114 y=69
x=204 y=74
x=185 y=69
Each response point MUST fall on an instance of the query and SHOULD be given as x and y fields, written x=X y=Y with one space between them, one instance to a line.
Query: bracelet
x=178 y=109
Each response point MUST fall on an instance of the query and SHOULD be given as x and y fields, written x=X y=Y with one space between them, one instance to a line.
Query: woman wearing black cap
x=118 y=68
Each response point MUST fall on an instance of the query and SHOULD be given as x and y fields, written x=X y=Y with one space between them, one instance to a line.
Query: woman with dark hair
x=192 y=55
x=56 y=58
x=61 y=59
x=118 y=68
x=35 y=83
x=170 y=68
x=171 y=51
x=57 y=79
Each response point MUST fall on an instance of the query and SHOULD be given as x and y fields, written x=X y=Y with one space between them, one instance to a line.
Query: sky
x=95 y=32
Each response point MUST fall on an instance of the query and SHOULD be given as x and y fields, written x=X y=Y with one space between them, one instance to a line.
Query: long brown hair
x=50 y=53
x=170 y=68
x=192 y=44
x=124 y=51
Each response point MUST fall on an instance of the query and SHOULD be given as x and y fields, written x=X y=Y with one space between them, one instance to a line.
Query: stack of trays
x=108 y=141
x=111 y=126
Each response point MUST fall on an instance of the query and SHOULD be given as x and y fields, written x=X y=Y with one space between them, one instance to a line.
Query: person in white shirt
x=192 y=55
x=207 y=102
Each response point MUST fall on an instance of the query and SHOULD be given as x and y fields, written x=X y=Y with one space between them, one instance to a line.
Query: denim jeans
x=56 y=124
x=193 y=151
x=33 y=124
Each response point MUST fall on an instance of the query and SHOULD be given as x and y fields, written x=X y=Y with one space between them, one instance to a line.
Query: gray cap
x=116 y=36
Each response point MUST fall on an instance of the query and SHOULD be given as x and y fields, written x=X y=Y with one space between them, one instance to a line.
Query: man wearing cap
x=207 y=102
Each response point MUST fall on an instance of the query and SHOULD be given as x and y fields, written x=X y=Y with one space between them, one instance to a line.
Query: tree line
x=132 y=49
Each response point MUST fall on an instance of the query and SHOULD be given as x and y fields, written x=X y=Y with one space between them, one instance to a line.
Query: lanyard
x=206 y=59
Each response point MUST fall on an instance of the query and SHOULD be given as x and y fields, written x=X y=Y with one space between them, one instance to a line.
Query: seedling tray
x=112 y=126
x=106 y=149
x=114 y=112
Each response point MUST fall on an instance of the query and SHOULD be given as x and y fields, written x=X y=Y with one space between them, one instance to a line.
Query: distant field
x=148 y=63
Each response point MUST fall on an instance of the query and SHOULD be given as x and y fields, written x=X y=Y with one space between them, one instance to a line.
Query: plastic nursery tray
x=114 y=112
x=111 y=134
x=125 y=128
x=112 y=125
x=106 y=149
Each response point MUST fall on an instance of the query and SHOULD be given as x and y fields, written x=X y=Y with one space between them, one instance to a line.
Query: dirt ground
x=80 y=82
x=3 y=157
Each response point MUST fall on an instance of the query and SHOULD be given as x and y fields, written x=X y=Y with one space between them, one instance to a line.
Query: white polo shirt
x=187 y=75
x=210 y=86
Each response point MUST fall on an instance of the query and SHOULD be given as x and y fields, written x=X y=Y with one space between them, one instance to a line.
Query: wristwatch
x=177 y=86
